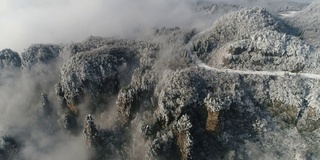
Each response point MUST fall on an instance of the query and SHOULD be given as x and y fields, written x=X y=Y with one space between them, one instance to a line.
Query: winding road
x=199 y=63
x=270 y=73
x=248 y=72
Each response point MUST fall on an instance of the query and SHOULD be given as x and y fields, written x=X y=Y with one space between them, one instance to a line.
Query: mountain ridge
x=244 y=88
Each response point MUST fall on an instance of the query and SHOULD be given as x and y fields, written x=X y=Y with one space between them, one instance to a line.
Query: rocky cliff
x=244 y=88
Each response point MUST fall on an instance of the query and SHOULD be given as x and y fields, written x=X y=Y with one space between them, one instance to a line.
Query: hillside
x=244 y=88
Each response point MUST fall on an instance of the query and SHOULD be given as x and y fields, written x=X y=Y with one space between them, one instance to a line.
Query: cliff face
x=244 y=88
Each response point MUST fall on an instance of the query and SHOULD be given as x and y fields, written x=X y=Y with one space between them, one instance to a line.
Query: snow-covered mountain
x=244 y=88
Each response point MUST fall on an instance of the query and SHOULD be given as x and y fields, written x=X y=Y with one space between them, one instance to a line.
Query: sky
x=24 y=22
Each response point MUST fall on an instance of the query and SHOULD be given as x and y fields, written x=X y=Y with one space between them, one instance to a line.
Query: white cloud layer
x=24 y=22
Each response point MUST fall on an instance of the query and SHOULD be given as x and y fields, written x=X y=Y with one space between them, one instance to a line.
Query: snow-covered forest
x=239 y=82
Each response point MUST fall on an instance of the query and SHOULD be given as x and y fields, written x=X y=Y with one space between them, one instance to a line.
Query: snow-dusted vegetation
x=246 y=87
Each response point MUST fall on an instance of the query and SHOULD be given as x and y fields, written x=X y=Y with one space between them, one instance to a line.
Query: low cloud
x=24 y=22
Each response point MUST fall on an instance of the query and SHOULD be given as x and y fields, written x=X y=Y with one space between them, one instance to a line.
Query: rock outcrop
x=8 y=147
x=99 y=71
x=104 y=144
x=9 y=60
x=178 y=94
x=40 y=54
